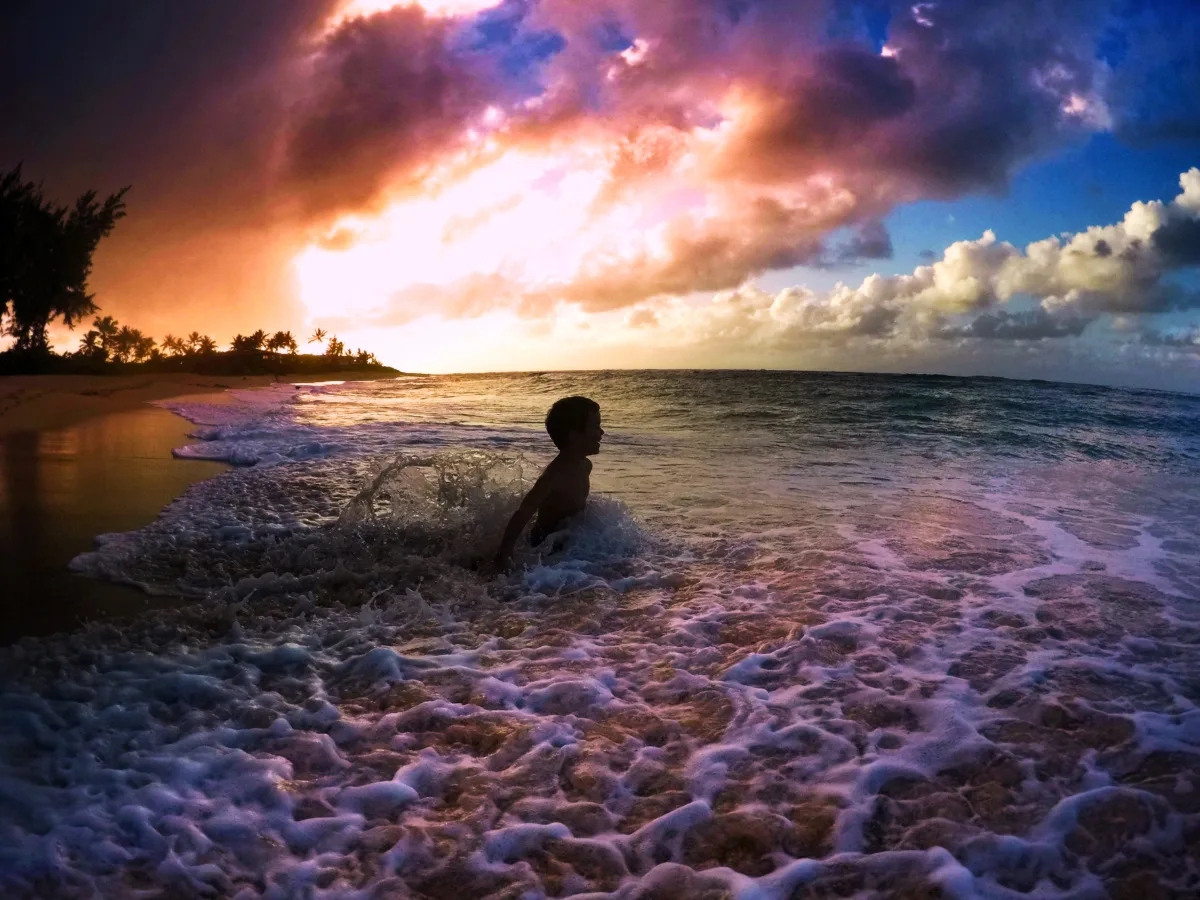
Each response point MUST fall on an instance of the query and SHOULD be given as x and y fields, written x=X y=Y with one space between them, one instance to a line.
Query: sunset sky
x=1005 y=188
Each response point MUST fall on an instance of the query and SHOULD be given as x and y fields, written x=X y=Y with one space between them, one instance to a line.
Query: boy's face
x=588 y=440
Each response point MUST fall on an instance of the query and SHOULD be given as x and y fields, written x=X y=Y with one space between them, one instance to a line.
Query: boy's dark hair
x=567 y=415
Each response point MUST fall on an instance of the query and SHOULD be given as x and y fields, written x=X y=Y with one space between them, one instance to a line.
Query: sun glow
x=528 y=221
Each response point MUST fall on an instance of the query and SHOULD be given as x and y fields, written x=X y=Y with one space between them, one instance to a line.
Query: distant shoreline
x=38 y=402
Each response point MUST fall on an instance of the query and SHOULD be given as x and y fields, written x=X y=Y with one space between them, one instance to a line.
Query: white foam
x=731 y=691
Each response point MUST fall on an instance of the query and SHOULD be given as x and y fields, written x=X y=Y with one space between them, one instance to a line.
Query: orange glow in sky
x=530 y=220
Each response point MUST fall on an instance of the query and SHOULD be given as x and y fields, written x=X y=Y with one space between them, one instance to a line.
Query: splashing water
x=859 y=637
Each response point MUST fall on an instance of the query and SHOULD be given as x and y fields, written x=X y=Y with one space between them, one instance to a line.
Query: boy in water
x=562 y=490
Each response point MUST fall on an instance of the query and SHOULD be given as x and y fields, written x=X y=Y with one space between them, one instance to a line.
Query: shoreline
x=40 y=402
x=82 y=456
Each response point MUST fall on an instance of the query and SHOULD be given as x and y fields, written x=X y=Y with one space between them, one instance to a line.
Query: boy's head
x=574 y=425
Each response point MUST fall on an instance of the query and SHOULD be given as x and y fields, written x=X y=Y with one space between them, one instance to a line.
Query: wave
x=952 y=678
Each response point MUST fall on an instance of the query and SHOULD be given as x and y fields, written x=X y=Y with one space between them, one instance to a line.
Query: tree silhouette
x=89 y=346
x=282 y=340
x=143 y=347
x=122 y=344
x=334 y=347
x=205 y=345
x=107 y=329
x=46 y=257
x=193 y=342
x=130 y=345
x=174 y=346
x=318 y=336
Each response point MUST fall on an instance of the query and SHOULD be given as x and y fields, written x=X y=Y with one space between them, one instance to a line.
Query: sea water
x=817 y=636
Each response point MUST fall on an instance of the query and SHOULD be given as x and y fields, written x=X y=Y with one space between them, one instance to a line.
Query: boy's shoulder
x=565 y=465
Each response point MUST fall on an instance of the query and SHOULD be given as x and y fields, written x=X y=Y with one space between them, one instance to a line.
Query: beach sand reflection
x=61 y=487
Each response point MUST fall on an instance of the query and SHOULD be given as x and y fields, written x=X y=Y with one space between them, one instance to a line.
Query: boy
x=562 y=490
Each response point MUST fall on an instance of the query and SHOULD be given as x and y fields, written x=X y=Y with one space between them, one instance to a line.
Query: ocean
x=818 y=635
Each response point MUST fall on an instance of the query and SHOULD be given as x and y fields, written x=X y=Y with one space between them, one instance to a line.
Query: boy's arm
x=537 y=494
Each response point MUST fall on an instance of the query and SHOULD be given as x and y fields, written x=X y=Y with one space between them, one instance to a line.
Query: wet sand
x=87 y=455
x=59 y=488
x=34 y=402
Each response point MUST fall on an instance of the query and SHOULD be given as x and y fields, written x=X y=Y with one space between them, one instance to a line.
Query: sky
x=998 y=188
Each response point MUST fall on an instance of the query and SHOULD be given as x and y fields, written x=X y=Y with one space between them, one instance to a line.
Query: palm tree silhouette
x=318 y=336
x=174 y=346
x=90 y=342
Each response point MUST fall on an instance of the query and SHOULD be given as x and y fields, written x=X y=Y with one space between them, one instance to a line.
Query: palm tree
x=205 y=345
x=125 y=342
x=193 y=342
x=107 y=328
x=334 y=347
x=89 y=344
x=143 y=346
x=282 y=340
x=318 y=336
x=173 y=346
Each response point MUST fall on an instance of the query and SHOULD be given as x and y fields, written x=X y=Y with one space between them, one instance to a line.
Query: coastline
x=38 y=402
x=82 y=456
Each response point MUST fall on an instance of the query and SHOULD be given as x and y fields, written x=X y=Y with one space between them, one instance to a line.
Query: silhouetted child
x=562 y=490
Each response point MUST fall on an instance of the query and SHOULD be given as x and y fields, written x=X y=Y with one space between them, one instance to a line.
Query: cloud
x=786 y=137
x=1178 y=241
x=1179 y=339
x=1027 y=325
x=740 y=134
x=870 y=241
x=1116 y=270
x=186 y=103
x=388 y=97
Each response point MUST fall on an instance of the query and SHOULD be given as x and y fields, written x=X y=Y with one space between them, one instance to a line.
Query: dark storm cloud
x=870 y=241
x=179 y=99
x=185 y=101
x=833 y=102
x=1183 y=339
x=1028 y=325
x=389 y=94
x=1178 y=242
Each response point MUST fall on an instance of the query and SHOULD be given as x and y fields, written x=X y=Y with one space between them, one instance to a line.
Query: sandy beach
x=34 y=402
x=82 y=456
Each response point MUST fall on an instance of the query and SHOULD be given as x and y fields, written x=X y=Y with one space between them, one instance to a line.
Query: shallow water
x=59 y=487
x=820 y=636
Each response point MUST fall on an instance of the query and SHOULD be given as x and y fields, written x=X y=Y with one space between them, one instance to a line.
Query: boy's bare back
x=568 y=483
x=561 y=491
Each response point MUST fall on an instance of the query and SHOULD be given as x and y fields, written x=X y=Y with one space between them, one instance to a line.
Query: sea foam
x=955 y=686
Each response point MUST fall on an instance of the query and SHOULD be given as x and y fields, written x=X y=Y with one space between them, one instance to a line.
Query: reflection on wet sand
x=61 y=487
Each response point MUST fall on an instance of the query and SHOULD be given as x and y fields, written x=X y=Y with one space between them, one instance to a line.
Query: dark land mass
x=13 y=362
